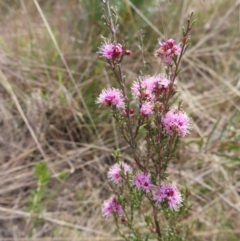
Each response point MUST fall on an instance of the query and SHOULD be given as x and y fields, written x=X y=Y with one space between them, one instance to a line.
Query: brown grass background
x=50 y=76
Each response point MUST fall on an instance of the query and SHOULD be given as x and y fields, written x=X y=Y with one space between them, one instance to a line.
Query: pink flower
x=148 y=87
x=162 y=83
x=176 y=121
x=146 y=108
x=167 y=50
x=111 y=97
x=111 y=206
x=170 y=43
x=170 y=194
x=176 y=49
x=144 y=87
x=114 y=173
x=110 y=51
x=142 y=181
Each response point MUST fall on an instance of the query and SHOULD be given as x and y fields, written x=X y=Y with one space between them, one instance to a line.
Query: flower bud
x=128 y=52
x=123 y=220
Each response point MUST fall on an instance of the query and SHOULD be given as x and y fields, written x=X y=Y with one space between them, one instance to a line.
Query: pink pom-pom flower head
x=176 y=121
x=146 y=108
x=170 y=194
x=142 y=181
x=117 y=170
x=110 y=51
x=149 y=87
x=162 y=84
x=111 y=206
x=143 y=88
x=111 y=97
x=167 y=50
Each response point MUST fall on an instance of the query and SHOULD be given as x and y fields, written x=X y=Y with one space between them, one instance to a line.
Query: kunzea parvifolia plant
x=145 y=205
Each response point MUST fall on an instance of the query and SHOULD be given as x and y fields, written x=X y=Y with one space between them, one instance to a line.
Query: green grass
x=36 y=202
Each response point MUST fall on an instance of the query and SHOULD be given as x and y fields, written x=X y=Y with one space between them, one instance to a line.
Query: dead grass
x=50 y=76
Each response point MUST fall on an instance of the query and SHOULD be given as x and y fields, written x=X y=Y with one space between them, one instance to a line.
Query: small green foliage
x=63 y=175
x=116 y=154
x=35 y=203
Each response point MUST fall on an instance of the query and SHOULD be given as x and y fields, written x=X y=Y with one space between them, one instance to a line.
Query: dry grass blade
x=52 y=220
x=8 y=87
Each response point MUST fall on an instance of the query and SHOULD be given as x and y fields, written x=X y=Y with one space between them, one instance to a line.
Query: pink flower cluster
x=142 y=181
x=148 y=89
x=167 y=50
x=153 y=93
x=176 y=121
x=114 y=174
x=111 y=97
x=170 y=194
x=111 y=206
